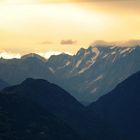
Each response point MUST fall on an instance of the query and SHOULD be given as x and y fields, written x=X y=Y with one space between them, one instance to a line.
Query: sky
x=54 y=26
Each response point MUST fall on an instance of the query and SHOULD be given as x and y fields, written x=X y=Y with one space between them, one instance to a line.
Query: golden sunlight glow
x=40 y=26
x=17 y=1
x=33 y=1
x=6 y=55
x=50 y=53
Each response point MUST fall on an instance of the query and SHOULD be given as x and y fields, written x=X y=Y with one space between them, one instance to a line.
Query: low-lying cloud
x=129 y=43
x=68 y=42
x=8 y=55
x=48 y=54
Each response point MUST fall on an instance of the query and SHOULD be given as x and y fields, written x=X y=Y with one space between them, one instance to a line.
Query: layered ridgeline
x=87 y=75
x=24 y=115
x=121 y=108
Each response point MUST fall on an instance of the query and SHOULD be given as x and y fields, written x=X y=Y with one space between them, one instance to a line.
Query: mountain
x=3 y=84
x=52 y=98
x=57 y=101
x=121 y=108
x=95 y=71
x=23 y=119
x=34 y=57
x=14 y=71
x=87 y=75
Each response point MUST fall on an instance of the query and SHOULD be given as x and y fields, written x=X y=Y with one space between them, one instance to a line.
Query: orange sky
x=46 y=25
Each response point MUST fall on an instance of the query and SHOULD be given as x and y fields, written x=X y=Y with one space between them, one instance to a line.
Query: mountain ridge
x=60 y=103
x=22 y=118
x=84 y=74
x=120 y=108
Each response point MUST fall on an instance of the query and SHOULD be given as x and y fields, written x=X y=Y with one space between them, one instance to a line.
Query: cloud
x=7 y=55
x=46 y=42
x=47 y=55
x=50 y=53
x=68 y=42
x=129 y=43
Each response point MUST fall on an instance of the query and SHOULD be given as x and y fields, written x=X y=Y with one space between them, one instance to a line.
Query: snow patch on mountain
x=98 y=78
x=125 y=50
x=91 y=60
x=51 y=69
x=78 y=63
x=94 y=90
x=67 y=63
x=106 y=55
x=113 y=53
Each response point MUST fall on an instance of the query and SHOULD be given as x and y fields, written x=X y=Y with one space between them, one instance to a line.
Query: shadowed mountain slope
x=60 y=103
x=3 y=84
x=21 y=118
x=121 y=108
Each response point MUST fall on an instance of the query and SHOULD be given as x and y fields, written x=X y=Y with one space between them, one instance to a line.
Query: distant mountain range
x=95 y=71
x=121 y=108
x=88 y=75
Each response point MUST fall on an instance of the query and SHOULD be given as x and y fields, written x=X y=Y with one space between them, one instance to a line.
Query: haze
x=65 y=26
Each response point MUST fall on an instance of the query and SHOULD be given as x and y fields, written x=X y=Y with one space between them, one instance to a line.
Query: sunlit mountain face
x=65 y=25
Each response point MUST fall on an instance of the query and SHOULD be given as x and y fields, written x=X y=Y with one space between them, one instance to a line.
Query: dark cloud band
x=68 y=42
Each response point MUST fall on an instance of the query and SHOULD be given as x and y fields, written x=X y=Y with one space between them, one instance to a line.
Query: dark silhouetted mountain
x=87 y=75
x=121 y=108
x=21 y=118
x=3 y=84
x=60 y=103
